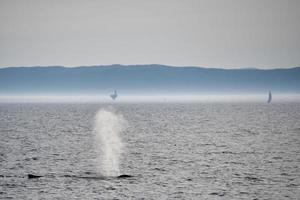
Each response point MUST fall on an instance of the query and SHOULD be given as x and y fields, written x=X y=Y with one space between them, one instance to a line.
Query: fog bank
x=234 y=98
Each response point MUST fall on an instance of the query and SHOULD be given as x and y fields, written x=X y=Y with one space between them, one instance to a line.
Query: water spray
x=107 y=127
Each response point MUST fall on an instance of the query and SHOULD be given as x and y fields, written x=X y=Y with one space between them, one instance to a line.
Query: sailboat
x=270 y=97
x=114 y=95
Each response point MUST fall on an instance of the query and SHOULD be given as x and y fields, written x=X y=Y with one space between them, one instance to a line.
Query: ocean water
x=172 y=151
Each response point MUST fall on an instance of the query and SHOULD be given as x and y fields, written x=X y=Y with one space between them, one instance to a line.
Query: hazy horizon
x=204 y=98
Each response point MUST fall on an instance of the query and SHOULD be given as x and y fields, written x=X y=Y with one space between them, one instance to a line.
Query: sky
x=208 y=33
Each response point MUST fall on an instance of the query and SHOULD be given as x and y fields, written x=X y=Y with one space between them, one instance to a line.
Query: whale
x=30 y=176
x=122 y=176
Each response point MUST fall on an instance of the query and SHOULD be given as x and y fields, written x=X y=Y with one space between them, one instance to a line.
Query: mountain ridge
x=146 y=65
x=146 y=79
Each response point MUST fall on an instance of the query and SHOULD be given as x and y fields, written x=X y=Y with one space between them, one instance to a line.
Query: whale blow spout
x=108 y=126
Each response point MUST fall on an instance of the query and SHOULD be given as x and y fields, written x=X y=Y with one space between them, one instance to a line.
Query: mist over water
x=124 y=98
x=108 y=126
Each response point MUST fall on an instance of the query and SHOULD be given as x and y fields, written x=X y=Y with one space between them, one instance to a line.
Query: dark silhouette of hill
x=146 y=79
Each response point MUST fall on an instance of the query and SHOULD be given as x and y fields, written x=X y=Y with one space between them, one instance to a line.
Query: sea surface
x=172 y=150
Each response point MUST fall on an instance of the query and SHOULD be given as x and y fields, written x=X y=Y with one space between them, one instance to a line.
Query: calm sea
x=173 y=151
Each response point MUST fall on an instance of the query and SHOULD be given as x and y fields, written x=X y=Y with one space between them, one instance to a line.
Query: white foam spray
x=108 y=125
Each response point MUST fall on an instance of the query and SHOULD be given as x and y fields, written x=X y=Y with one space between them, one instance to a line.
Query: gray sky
x=211 y=33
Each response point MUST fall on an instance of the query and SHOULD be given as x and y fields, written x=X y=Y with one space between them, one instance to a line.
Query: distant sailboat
x=270 y=97
x=114 y=95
